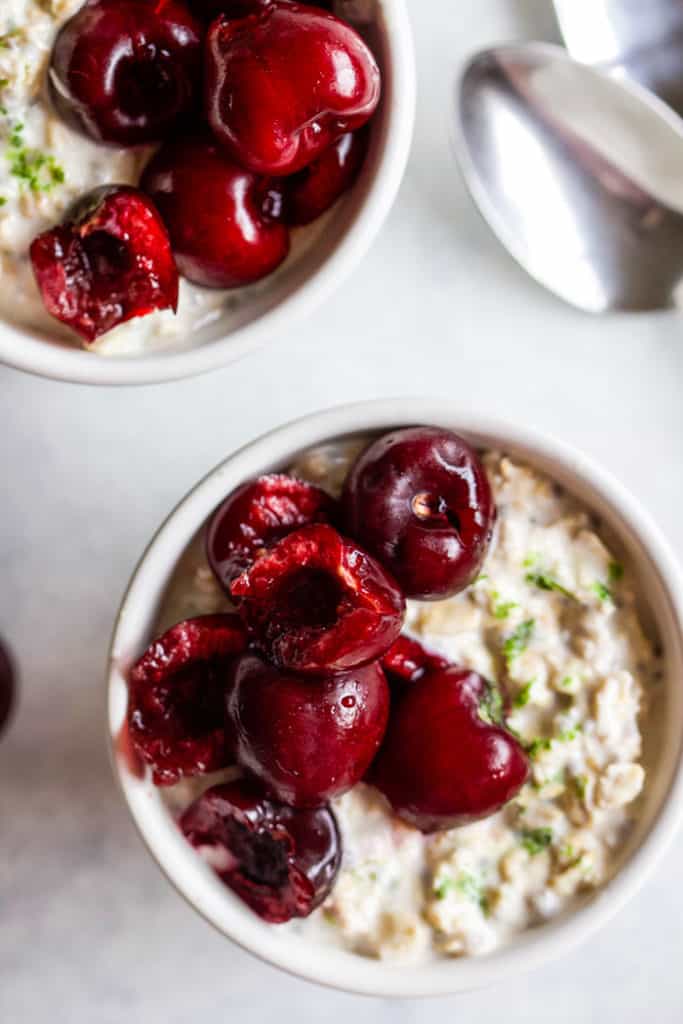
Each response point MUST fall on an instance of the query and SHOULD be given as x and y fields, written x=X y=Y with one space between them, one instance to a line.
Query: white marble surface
x=89 y=930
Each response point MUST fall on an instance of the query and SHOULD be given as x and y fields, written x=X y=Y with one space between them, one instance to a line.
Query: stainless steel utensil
x=579 y=175
x=638 y=39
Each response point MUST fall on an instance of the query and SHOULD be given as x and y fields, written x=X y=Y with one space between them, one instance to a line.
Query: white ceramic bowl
x=268 y=310
x=636 y=537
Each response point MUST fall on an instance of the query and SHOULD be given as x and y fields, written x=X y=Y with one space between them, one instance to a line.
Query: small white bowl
x=268 y=310
x=661 y=582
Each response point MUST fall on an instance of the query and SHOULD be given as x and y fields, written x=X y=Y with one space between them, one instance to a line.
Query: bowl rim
x=23 y=349
x=347 y=971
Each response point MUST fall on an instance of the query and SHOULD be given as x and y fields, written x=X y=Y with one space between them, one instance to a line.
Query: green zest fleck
x=602 y=591
x=3 y=201
x=580 y=784
x=538 y=746
x=502 y=609
x=567 y=682
x=567 y=735
x=615 y=572
x=38 y=171
x=536 y=840
x=524 y=695
x=545 y=582
x=518 y=641
x=491 y=707
x=530 y=560
x=465 y=884
x=481 y=577
x=7 y=38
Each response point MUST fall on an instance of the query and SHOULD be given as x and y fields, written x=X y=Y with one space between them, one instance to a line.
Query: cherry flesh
x=280 y=861
x=283 y=84
x=317 y=603
x=224 y=231
x=420 y=502
x=124 y=71
x=108 y=262
x=256 y=516
x=177 y=697
x=446 y=759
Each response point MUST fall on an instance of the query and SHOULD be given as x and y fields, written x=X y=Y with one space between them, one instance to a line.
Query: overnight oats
x=397 y=698
x=157 y=158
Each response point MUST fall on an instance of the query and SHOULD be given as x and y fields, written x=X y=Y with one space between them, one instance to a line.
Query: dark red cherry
x=108 y=262
x=281 y=862
x=256 y=516
x=312 y=191
x=407 y=660
x=317 y=603
x=307 y=739
x=176 y=704
x=124 y=71
x=7 y=686
x=283 y=84
x=446 y=759
x=220 y=217
x=208 y=10
x=419 y=501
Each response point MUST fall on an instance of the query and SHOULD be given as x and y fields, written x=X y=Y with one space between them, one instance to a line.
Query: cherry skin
x=283 y=84
x=281 y=862
x=108 y=262
x=217 y=215
x=446 y=759
x=317 y=603
x=256 y=516
x=407 y=660
x=420 y=502
x=124 y=71
x=312 y=191
x=208 y=10
x=306 y=739
x=176 y=698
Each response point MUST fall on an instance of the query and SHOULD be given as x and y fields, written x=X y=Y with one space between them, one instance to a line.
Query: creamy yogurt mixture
x=45 y=166
x=552 y=618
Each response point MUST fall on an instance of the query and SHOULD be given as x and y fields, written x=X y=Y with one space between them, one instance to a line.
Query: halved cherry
x=176 y=697
x=281 y=862
x=108 y=262
x=447 y=759
x=256 y=516
x=316 y=602
x=308 y=739
x=407 y=660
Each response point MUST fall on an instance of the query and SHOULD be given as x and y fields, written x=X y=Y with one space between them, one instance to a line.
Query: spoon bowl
x=640 y=41
x=580 y=175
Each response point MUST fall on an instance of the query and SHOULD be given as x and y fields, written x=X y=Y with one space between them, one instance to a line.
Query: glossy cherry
x=256 y=516
x=317 y=603
x=177 y=697
x=208 y=10
x=312 y=191
x=419 y=501
x=283 y=84
x=407 y=660
x=108 y=262
x=219 y=216
x=446 y=759
x=307 y=739
x=7 y=686
x=124 y=71
x=281 y=862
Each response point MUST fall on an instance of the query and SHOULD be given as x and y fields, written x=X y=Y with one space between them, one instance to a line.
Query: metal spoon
x=579 y=175
x=638 y=39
